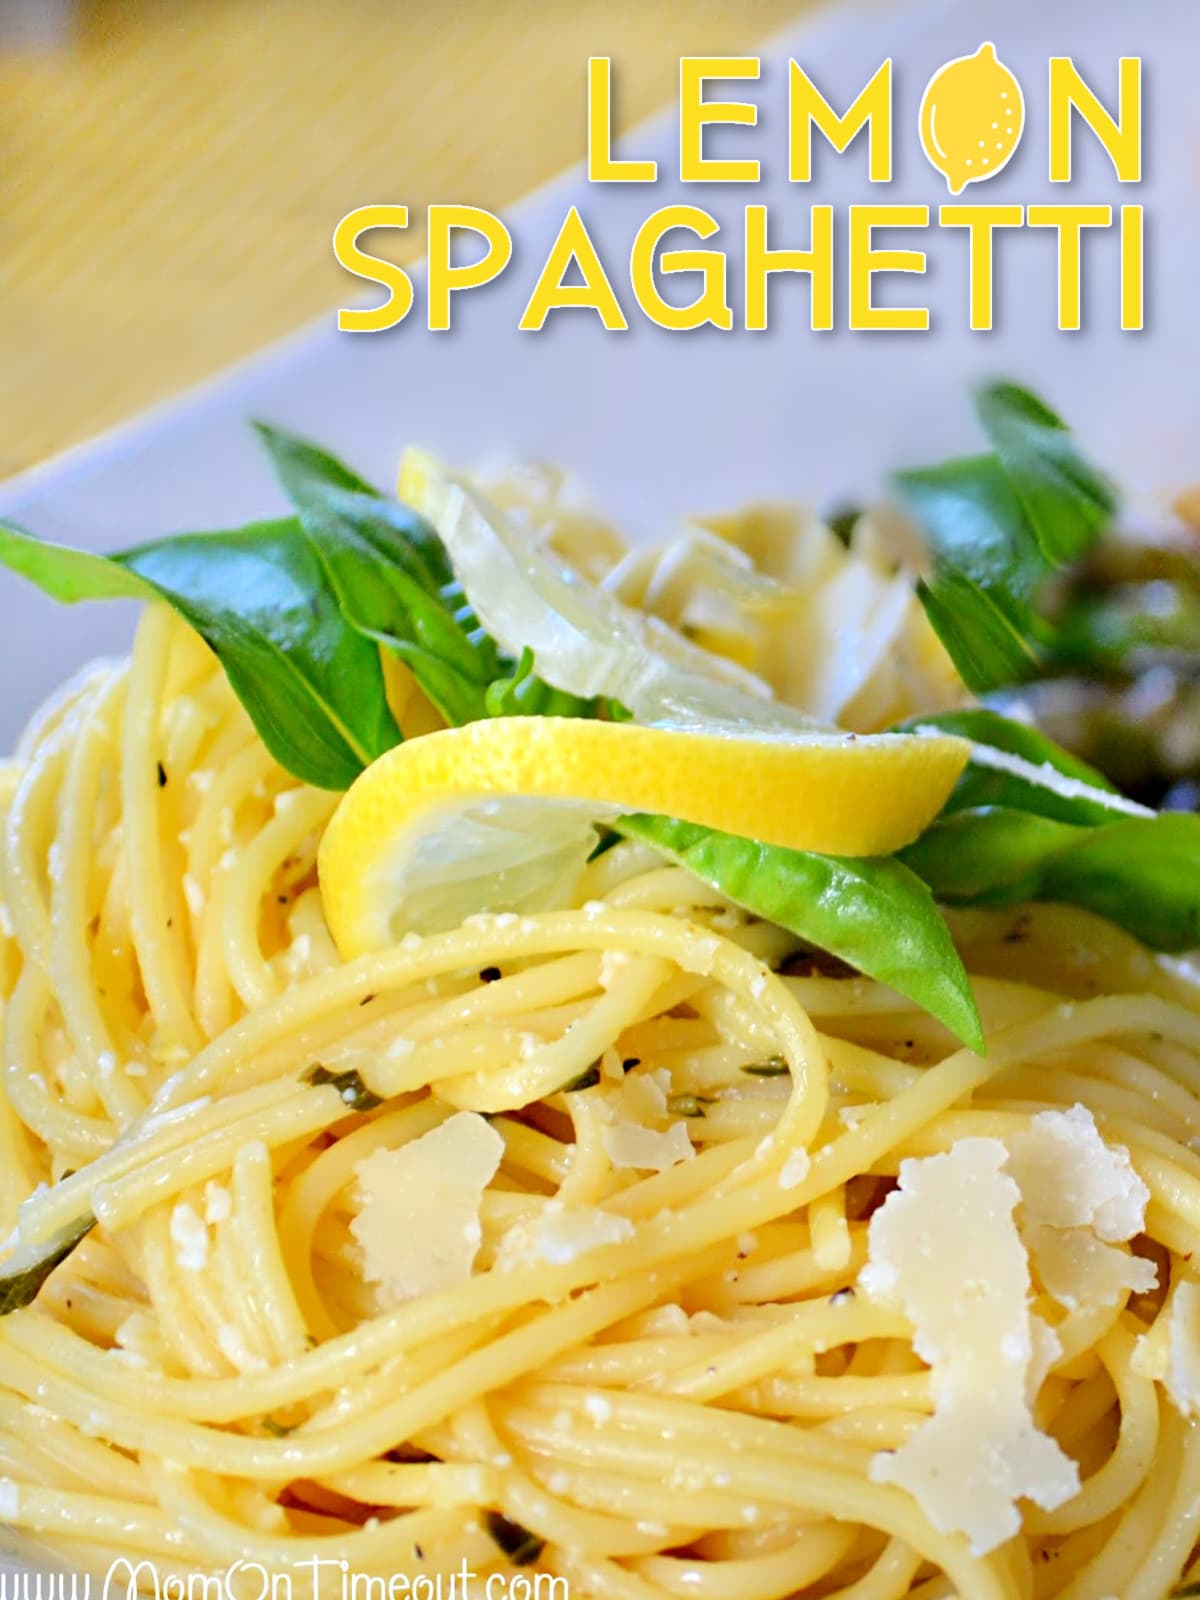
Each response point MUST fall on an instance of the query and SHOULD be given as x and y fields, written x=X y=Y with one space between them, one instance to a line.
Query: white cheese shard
x=629 y=1145
x=1080 y=1201
x=10 y=1499
x=418 y=1207
x=944 y=1250
x=190 y=1238
x=643 y=1098
x=795 y=1169
x=1070 y=1178
x=563 y=1234
x=1078 y=1269
x=1182 y=1379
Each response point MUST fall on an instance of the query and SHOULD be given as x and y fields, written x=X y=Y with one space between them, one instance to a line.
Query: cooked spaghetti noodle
x=688 y=1404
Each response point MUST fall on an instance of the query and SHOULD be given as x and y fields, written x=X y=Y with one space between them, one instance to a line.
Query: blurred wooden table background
x=172 y=170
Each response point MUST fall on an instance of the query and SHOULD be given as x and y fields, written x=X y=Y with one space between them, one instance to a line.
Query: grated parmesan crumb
x=562 y=1235
x=190 y=1238
x=598 y=1408
x=795 y=1169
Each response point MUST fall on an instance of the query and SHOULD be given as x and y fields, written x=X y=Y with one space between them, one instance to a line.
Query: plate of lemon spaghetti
x=541 y=1065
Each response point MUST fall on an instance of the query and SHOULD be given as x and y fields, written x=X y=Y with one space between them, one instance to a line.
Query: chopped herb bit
x=277 y=1430
x=772 y=1067
x=518 y=1544
x=585 y=1080
x=162 y=775
x=840 y=521
x=348 y=1084
x=25 y=1272
x=490 y=975
x=688 y=1105
x=366 y=999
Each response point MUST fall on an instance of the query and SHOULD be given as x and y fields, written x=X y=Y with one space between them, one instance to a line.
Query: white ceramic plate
x=658 y=422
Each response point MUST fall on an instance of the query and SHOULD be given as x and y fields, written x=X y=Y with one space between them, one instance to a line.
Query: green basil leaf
x=68 y=575
x=871 y=912
x=986 y=568
x=998 y=526
x=515 y=1542
x=1141 y=873
x=384 y=565
x=312 y=686
x=24 y=1273
x=1067 y=501
x=259 y=595
x=309 y=475
x=349 y=1085
x=986 y=786
x=524 y=694
x=395 y=585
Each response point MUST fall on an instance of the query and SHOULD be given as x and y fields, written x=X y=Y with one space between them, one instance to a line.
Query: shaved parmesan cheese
x=1069 y=1177
x=643 y=1097
x=1183 y=1348
x=944 y=1250
x=1080 y=1199
x=418 y=1207
x=1078 y=1269
x=562 y=1235
x=629 y=1145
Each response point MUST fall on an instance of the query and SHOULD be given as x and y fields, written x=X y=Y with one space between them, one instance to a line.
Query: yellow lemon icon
x=972 y=115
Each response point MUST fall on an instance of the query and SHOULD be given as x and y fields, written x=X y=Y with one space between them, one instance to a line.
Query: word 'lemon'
x=972 y=115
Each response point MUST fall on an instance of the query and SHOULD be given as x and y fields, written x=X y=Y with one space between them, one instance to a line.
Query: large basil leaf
x=381 y=560
x=312 y=685
x=395 y=585
x=1142 y=873
x=1067 y=502
x=871 y=912
x=998 y=526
